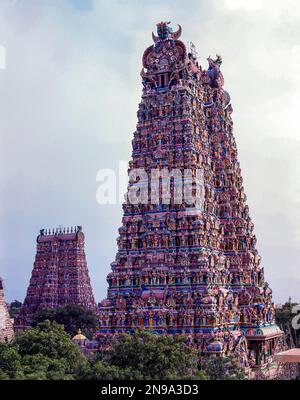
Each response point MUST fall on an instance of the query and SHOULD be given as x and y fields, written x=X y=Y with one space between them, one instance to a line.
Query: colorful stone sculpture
x=179 y=270
x=60 y=274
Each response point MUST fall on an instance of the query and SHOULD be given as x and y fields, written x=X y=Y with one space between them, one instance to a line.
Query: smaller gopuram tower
x=60 y=274
x=6 y=324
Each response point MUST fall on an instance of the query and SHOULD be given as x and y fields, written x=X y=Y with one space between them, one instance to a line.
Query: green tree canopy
x=42 y=352
x=47 y=352
x=284 y=317
x=10 y=362
x=72 y=317
x=223 y=368
x=145 y=355
x=14 y=308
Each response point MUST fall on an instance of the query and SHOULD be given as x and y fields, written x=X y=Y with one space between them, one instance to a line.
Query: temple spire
x=182 y=269
x=54 y=284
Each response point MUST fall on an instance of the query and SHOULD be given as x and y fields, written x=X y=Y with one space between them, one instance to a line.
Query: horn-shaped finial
x=155 y=38
x=165 y=32
x=177 y=34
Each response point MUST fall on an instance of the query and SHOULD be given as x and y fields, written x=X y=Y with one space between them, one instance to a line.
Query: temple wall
x=6 y=323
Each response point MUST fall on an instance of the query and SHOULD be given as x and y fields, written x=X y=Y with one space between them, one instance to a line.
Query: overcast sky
x=68 y=102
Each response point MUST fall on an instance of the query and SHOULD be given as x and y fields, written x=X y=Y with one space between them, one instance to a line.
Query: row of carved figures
x=188 y=318
x=167 y=278
x=182 y=240
x=182 y=223
x=60 y=230
x=165 y=319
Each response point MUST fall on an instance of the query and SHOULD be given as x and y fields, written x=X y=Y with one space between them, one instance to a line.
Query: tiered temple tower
x=6 y=323
x=182 y=269
x=60 y=274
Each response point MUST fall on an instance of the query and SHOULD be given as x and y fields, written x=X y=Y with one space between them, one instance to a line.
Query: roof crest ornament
x=166 y=32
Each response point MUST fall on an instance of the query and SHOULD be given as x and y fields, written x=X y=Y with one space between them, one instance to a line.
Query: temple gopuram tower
x=182 y=269
x=60 y=274
x=6 y=323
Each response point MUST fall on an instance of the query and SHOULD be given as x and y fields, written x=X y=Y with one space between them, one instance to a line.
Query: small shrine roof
x=79 y=336
x=263 y=332
x=292 y=355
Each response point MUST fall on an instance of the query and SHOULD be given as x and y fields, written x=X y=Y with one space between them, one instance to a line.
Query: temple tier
x=181 y=269
x=60 y=274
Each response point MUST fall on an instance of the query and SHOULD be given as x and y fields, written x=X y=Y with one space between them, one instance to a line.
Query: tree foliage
x=14 y=308
x=46 y=352
x=10 y=362
x=145 y=355
x=73 y=317
x=223 y=368
x=42 y=352
x=284 y=317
